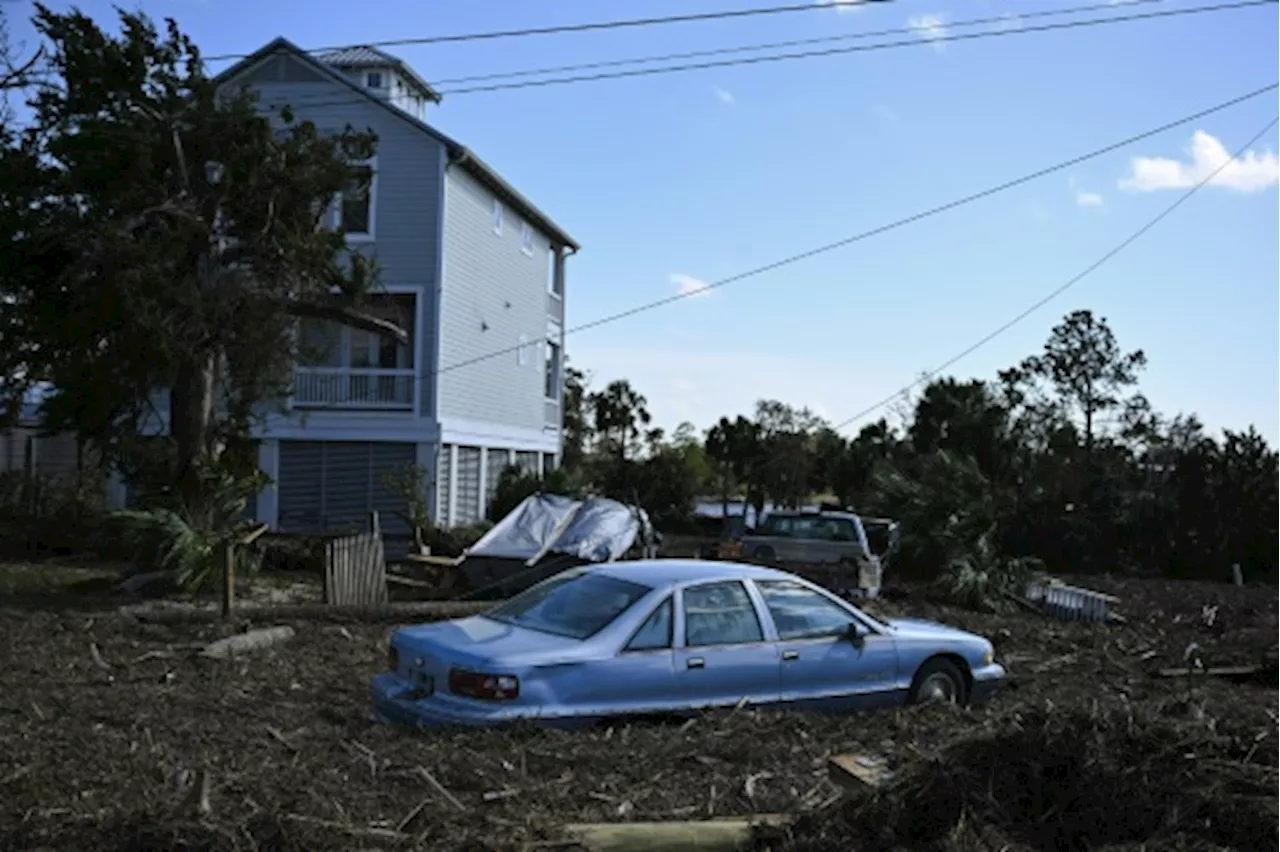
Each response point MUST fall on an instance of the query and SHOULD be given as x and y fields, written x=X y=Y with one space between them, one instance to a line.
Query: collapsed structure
x=549 y=533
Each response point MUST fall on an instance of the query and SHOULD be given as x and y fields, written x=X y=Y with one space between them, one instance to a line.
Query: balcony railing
x=353 y=387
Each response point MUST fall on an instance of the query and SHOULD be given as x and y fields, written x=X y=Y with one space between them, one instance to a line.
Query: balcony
x=362 y=388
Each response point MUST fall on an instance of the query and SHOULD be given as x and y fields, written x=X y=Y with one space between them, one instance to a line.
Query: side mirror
x=854 y=635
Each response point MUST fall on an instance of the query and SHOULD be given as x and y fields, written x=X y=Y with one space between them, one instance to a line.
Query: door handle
x=695 y=663
x=790 y=655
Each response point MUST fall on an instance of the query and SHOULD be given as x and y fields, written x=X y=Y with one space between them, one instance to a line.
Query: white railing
x=1071 y=603
x=353 y=387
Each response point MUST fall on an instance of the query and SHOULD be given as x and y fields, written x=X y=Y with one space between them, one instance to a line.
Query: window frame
x=498 y=216
x=668 y=601
x=555 y=284
x=373 y=80
x=336 y=214
x=762 y=587
x=552 y=371
x=751 y=601
x=522 y=350
x=526 y=239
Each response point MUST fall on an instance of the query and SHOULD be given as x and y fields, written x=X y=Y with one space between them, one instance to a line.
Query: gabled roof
x=364 y=56
x=459 y=154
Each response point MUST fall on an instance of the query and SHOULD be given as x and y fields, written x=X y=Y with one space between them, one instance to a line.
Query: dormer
x=384 y=76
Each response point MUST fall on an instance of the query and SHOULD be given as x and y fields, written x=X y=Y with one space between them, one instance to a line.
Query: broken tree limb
x=1230 y=672
x=713 y=835
x=242 y=643
x=348 y=316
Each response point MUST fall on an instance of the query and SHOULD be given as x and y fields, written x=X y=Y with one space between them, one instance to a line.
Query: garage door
x=334 y=485
x=468 y=485
x=444 y=466
x=497 y=463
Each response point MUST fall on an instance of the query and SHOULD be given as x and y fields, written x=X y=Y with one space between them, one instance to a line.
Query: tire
x=938 y=680
x=766 y=555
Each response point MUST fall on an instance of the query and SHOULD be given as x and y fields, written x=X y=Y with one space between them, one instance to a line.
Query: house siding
x=407 y=188
x=494 y=296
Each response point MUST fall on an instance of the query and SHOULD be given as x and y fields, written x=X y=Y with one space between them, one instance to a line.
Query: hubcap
x=938 y=687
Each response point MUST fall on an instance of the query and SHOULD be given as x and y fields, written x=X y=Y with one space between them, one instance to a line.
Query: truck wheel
x=766 y=555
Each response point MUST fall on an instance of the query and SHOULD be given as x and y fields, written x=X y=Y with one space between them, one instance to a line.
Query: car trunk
x=476 y=644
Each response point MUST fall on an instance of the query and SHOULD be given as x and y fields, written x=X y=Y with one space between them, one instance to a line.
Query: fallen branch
x=241 y=643
x=1231 y=672
x=713 y=835
x=440 y=788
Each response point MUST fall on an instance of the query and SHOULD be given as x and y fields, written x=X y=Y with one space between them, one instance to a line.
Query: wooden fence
x=355 y=568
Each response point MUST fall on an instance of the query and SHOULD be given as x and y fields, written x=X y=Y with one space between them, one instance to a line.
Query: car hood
x=919 y=628
x=477 y=640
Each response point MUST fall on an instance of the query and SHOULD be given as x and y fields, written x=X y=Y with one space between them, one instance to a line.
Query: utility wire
x=835 y=51
x=1089 y=270
x=577 y=28
x=829 y=247
x=327 y=100
x=1007 y=19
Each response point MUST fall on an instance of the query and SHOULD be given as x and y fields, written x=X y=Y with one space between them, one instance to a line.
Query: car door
x=822 y=667
x=641 y=678
x=724 y=654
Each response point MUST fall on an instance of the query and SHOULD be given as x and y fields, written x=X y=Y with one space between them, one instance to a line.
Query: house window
x=373 y=79
x=552 y=379
x=355 y=206
x=327 y=344
x=522 y=350
x=526 y=238
x=554 y=286
x=497 y=217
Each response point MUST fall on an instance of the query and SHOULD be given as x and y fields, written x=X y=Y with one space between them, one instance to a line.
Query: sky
x=675 y=180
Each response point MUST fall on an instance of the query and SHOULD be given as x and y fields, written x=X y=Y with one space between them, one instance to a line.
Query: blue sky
x=672 y=179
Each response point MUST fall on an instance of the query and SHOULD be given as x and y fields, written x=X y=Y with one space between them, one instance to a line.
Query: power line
x=576 y=28
x=835 y=51
x=1090 y=269
x=829 y=247
x=721 y=51
x=327 y=100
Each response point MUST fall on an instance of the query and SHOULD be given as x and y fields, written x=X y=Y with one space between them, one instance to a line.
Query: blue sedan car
x=672 y=637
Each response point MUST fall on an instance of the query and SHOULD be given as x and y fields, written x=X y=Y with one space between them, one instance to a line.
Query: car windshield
x=577 y=605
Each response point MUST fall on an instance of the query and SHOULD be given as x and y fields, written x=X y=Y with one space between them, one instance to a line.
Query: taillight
x=393 y=658
x=485 y=686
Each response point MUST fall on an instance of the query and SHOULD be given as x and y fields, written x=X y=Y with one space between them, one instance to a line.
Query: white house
x=470 y=267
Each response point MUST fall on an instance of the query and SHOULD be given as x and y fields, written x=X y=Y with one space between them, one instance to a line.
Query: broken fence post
x=1237 y=576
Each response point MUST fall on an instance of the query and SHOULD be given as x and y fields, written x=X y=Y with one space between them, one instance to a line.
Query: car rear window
x=576 y=605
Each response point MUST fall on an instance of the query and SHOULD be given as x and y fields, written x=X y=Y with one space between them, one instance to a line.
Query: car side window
x=801 y=613
x=845 y=531
x=655 y=633
x=720 y=614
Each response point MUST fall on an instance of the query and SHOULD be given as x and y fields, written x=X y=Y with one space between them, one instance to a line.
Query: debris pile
x=1051 y=779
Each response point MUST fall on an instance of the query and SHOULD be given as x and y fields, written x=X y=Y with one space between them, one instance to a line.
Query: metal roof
x=364 y=56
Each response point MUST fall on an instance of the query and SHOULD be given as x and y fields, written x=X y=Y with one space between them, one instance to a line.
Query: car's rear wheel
x=938 y=680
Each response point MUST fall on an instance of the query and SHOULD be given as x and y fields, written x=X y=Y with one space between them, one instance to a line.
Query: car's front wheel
x=938 y=680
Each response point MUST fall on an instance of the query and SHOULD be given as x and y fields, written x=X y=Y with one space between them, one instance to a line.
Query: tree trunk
x=190 y=420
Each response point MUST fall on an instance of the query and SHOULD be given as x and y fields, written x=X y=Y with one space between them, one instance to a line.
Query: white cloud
x=841 y=6
x=1085 y=198
x=724 y=95
x=1251 y=172
x=687 y=285
x=886 y=114
x=930 y=27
